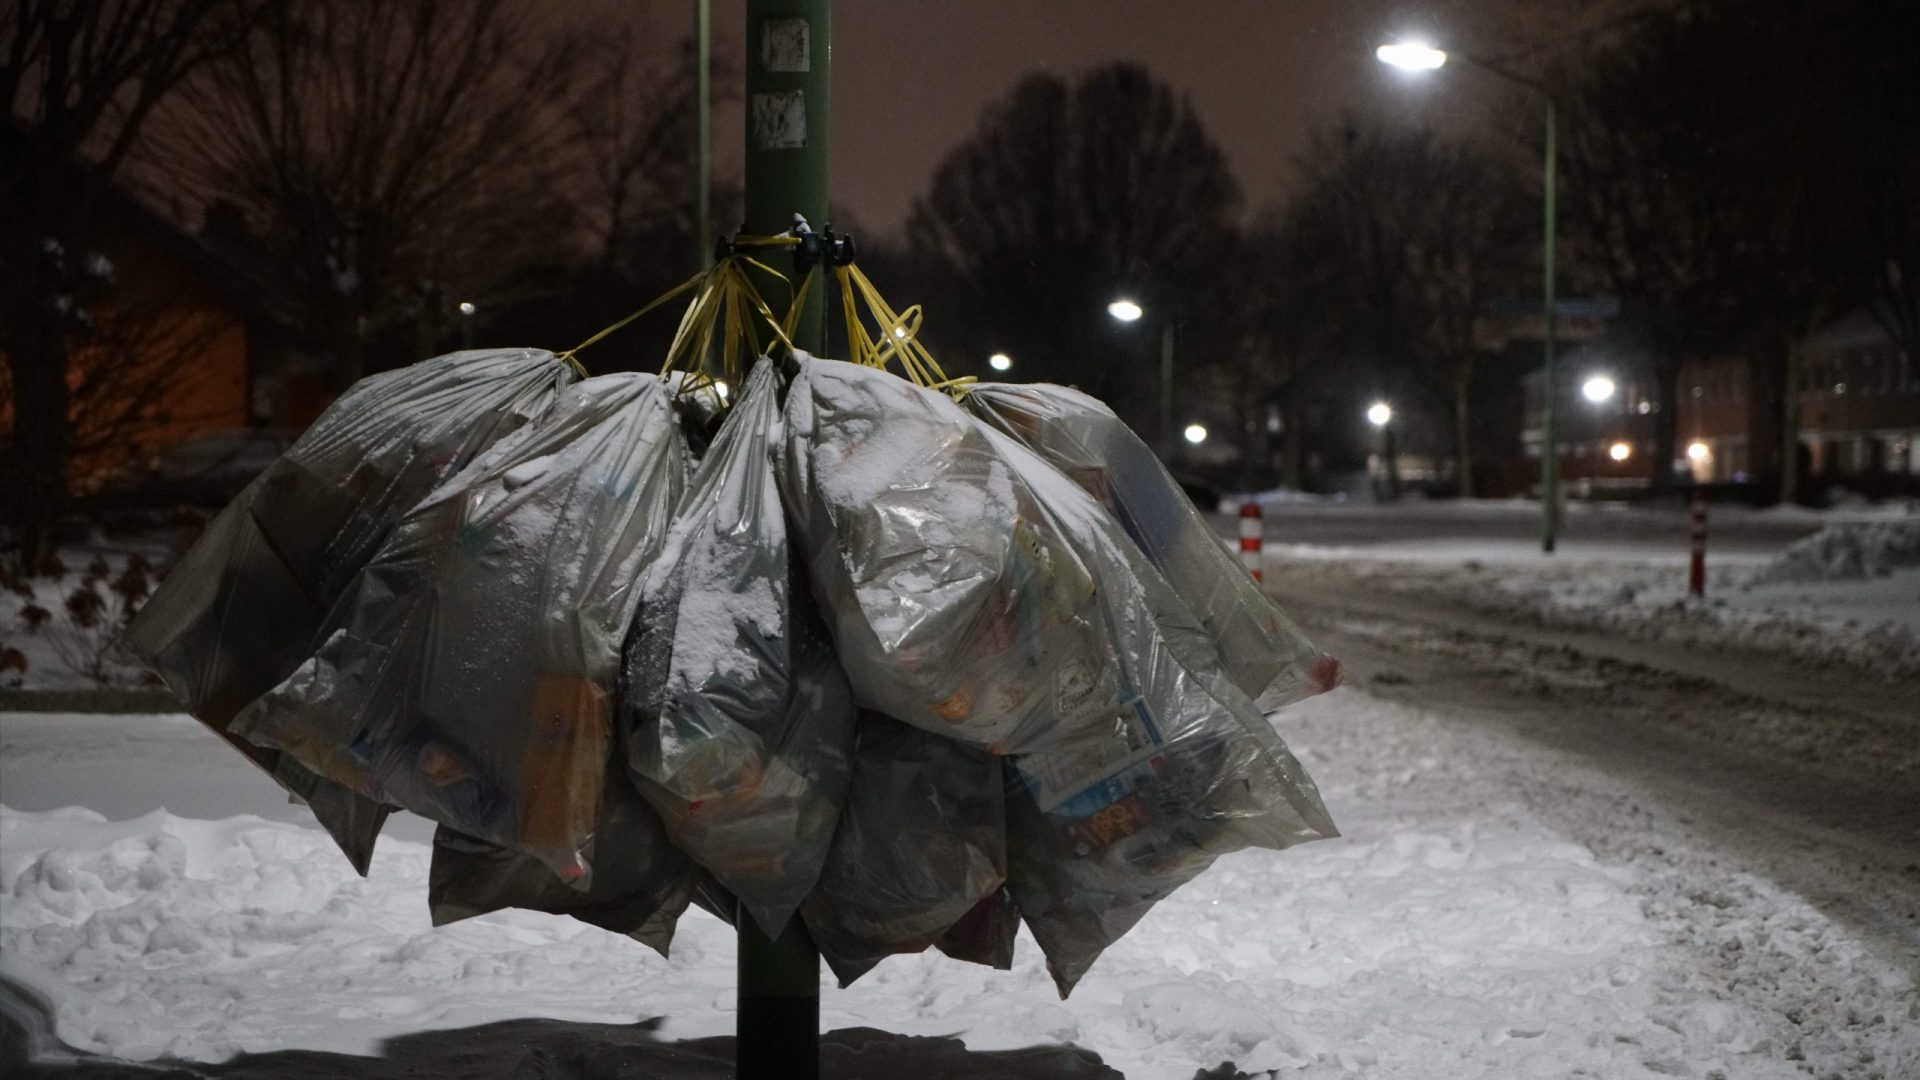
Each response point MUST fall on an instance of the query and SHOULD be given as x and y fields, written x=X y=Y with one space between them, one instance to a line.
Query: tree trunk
x=38 y=460
x=1295 y=445
x=1666 y=421
x=1463 y=436
x=1789 y=409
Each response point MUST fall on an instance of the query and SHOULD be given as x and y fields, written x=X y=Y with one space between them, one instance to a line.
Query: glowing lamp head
x=1000 y=361
x=1196 y=434
x=1620 y=451
x=720 y=389
x=1379 y=414
x=1598 y=388
x=1125 y=310
x=466 y=307
x=1699 y=451
x=1411 y=54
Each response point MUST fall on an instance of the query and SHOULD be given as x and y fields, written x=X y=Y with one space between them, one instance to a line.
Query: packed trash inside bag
x=241 y=610
x=738 y=720
x=836 y=647
x=469 y=673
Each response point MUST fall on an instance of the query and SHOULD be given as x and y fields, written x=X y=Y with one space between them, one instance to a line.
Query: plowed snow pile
x=1847 y=552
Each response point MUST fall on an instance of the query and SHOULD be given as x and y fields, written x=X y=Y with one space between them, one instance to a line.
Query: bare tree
x=395 y=158
x=79 y=80
x=1413 y=238
x=1066 y=196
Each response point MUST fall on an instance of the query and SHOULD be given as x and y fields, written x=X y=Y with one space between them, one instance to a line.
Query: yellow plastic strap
x=725 y=299
x=899 y=337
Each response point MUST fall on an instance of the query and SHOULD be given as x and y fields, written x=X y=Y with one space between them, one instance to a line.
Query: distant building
x=181 y=337
x=1858 y=403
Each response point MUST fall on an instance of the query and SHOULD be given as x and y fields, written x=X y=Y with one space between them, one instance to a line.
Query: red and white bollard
x=1697 y=572
x=1252 y=537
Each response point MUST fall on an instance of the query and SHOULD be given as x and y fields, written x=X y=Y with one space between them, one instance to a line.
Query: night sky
x=911 y=76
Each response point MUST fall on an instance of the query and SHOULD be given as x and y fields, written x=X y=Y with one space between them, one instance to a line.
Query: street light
x=1415 y=55
x=1379 y=414
x=1196 y=434
x=1597 y=388
x=1127 y=311
x=1699 y=451
x=1000 y=361
x=466 y=324
x=1620 y=451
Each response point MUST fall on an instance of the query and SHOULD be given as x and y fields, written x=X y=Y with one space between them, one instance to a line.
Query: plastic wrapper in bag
x=955 y=605
x=1186 y=769
x=921 y=845
x=242 y=609
x=640 y=885
x=1261 y=649
x=737 y=717
x=469 y=673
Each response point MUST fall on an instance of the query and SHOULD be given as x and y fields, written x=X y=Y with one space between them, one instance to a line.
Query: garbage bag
x=242 y=609
x=1261 y=649
x=955 y=605
x=738 y=719
x=468 y=674
x=921 y=843
x=640 y=891
x=1103 y=825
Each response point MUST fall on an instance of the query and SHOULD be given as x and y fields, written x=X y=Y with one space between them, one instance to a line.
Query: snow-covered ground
x=1848 y=593
x=1451 y=933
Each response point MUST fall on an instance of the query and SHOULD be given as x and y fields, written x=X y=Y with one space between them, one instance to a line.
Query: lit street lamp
x=1196 y=434
x=466 y=324
x=1126 y=311
x=1000 y=361
x=1415 y=55
x=1380 y=414
x=1597 y=388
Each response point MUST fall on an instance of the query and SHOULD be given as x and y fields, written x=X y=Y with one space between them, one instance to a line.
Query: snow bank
x=1847 y=552
x=1451 y=934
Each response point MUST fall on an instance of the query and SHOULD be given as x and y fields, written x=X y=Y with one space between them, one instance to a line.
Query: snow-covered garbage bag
x=1107 y=822
x=468 y=674
x=241 y=610
x=737 y=718
x=1261 y=649
x=640 y=891
x=955 y=605
x=920 y=846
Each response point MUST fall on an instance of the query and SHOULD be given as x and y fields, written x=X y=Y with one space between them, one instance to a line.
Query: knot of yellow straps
x=727 y=305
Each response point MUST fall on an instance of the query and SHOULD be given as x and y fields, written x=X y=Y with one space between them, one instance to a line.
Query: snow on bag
x=468 y=675
x=1108 y=822
x=921 y=845
x=737 y=718
x=242 y=609
x=955 y=606
x=1261 y=649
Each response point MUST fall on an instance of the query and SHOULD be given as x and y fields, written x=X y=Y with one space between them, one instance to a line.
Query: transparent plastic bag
x=1106 y=823
x=921 y=844
x=954 y=604
x=242 y=609
x=1261 y=649
x=468 y=675
x=641 y=884
x=738 y=720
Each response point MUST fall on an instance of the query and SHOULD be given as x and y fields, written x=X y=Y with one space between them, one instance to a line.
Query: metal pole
x=1166 y=387
x=703 y=135
x=1549 y=439
x=788 y=49
x=787 y=117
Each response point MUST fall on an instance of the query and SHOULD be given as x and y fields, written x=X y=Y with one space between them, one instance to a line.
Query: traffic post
x=1252 y=537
